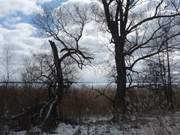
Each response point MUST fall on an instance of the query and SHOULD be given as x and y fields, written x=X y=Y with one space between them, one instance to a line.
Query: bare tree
x=133 y=27
x=7 y=63
x=40 y=68
x=64 y=25
x=169 y=90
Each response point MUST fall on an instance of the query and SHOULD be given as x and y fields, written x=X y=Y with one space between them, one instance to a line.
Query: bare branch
x=150 y=19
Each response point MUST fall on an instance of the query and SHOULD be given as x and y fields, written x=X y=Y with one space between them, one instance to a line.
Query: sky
x=18 y=33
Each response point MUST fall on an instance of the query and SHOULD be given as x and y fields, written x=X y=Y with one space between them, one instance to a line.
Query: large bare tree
x=133 y=25
x=64 y=27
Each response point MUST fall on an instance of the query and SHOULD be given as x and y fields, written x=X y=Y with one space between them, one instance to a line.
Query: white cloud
x=80 y=1
x=26 y=29
x=21 y=43
x=27 y=7
x=19 y=36
x=42 y=1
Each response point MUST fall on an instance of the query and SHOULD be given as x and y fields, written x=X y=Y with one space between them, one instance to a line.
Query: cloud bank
x=18 y=33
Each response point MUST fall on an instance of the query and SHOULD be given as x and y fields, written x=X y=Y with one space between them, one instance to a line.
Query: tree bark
x=119 y=103
x=170 y=90
x=59 y=76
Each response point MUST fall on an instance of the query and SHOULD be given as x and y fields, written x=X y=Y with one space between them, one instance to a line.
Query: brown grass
x=80 y=103
x=15 y=100
x=86 y=103
x=77 y=103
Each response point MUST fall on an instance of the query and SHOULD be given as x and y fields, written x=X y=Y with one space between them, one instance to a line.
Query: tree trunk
x=170 y=90
x=119 y=104
x=59 y=76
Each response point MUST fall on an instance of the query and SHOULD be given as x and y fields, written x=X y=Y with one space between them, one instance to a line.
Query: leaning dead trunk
x=59 y=76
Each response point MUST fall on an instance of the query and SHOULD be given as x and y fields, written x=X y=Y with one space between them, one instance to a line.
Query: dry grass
x=77 y=103
x=15 y=100
x=80 y=103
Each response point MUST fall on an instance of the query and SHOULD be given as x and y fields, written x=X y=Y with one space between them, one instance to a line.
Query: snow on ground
x=168 y=124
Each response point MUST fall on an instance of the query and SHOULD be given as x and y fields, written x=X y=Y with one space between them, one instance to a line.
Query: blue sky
x=18 y=33
x=11 y=15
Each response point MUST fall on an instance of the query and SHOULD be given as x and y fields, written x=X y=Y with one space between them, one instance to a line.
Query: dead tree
x=7 y=64
x=169 y=90
x=59 y=74
x=41 y=68
x=125 y=20
x=65 y=25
